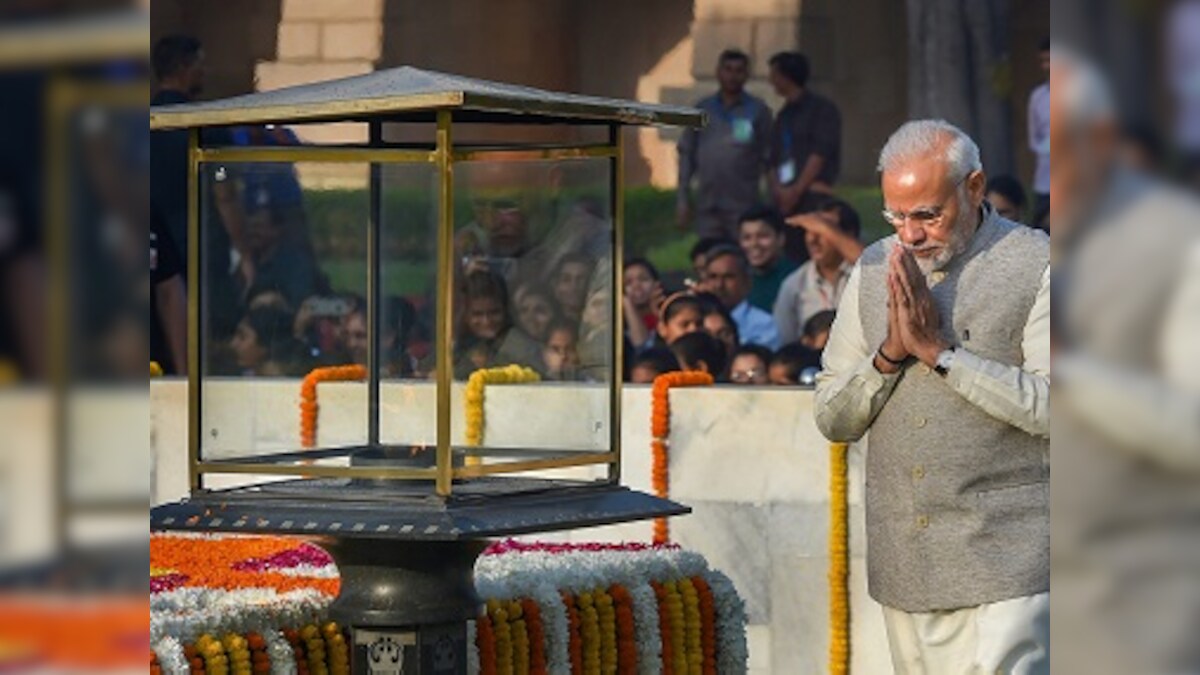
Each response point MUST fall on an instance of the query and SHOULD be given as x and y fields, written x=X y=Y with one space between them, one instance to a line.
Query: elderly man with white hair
x=941 y=349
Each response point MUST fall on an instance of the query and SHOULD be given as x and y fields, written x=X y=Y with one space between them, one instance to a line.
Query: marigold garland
x=678 y=628
x=503 y=632
x=839 y=560
x=537 y=637
x=520 y=635
x=485 y=639
x=692 y=627
x=606 y=613
x=589 y=629
x=627 y=661
x=575 y=633
x=660 y=431
x=308 y=396
x=664 y=627
x=708 y=625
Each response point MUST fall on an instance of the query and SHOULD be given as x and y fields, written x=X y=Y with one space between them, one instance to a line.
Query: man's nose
x=911 y=233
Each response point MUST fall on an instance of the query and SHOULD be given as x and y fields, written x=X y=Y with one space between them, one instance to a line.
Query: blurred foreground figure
x=1125 y=554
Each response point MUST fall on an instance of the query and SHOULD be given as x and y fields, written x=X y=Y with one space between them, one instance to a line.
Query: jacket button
x=918 y=472
x=924 y=369
x=920 y=422
x=922 y=521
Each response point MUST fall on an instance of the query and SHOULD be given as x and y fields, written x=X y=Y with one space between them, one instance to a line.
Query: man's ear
x=977 y=187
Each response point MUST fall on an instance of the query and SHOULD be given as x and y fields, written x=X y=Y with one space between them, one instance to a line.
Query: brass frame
x=63 y=97
x=445 y=157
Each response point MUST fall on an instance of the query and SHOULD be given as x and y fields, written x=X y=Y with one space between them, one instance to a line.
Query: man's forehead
x=917 y=179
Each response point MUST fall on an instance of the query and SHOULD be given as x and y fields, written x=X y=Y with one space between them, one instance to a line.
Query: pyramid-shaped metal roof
x=413 y=95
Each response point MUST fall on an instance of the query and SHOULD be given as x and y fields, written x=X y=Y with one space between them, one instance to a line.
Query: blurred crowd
x=533 y=283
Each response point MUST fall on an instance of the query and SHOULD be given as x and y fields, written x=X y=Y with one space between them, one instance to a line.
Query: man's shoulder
x=1028 y=238
x=755 y=102
x=821 y=101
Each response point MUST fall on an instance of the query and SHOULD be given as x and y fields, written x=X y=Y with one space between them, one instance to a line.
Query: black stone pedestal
x=405 y=604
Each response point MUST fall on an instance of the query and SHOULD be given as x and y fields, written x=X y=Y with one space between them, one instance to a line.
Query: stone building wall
x=651 y=50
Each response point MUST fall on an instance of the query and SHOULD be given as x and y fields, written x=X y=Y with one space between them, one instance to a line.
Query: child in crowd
x=536 y=311
x=831 y=236
x=789 y=362
x=816 y=330
x=749 y=365
x=561 y=353
x=485 y=335
x=700 y=352
x=652 y=363
x=643 y=295
x=570 y=284
x=682 y=313
x=761 y=236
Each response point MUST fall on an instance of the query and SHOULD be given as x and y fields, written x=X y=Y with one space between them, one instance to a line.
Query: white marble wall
x=749 y=461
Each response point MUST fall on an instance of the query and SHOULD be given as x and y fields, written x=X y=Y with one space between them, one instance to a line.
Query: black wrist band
x=887 y=358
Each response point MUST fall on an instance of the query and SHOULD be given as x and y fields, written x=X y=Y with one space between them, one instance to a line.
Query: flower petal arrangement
x=247 y=605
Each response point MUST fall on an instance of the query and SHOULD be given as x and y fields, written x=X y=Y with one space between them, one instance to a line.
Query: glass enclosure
x=488 y=314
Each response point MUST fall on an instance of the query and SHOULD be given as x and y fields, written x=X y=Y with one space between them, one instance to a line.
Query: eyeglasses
x=744 y=376
x=925 y=216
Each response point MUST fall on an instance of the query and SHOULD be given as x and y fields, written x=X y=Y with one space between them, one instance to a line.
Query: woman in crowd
x=570 y=284
x=263 y=344
x=643 y=295
x=682 y=314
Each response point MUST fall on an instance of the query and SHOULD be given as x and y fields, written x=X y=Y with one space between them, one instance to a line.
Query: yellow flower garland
x=692 y=626
x=474 y=394
x=839 y=560
x=678 y=628
x=504 y=642
x=520 y=636
x=589 y=628
x=607 y=616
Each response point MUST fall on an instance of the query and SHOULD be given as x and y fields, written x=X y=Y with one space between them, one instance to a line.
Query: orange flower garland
x=308 y=396
x=664 y=627
x=627 y=660
x=485 y=639
x=537 y=637
x=708 y=625
x=660 y=431
x=575 y=639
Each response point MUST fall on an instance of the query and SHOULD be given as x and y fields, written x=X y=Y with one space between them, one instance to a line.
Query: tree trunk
x=958 y=71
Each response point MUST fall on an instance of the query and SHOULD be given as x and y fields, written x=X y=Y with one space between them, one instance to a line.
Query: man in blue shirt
x=727 y=157
x=728 y=277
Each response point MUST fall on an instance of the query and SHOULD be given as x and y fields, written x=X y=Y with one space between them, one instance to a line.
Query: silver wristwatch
x=944 y=361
